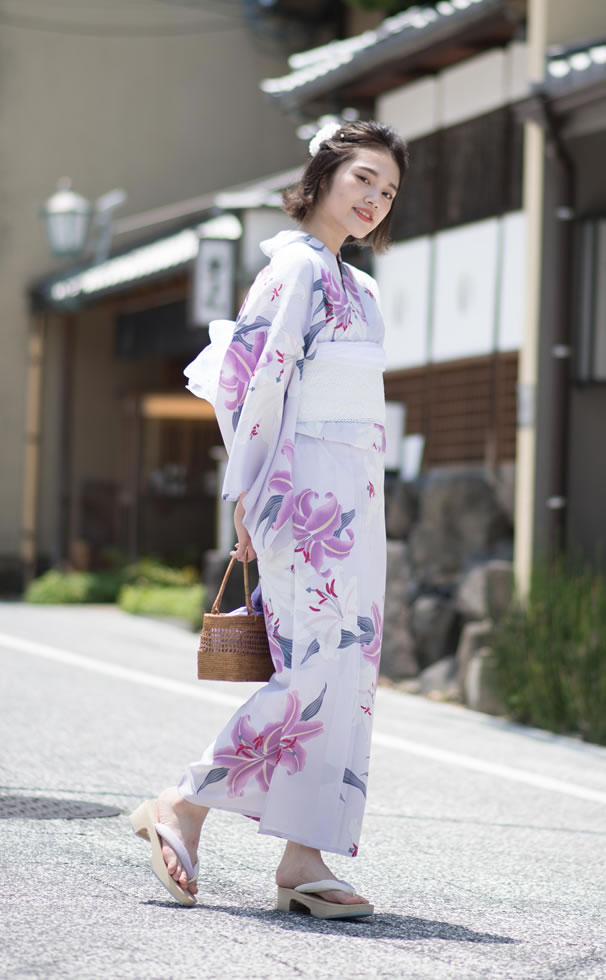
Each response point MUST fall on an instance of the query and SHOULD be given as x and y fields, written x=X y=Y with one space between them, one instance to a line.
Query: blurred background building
x=160 y=99
x=492 y=294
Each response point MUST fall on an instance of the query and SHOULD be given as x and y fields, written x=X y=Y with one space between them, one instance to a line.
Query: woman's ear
x=323 y=186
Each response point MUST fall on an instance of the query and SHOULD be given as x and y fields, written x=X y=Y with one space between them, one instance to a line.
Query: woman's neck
x=332 y=237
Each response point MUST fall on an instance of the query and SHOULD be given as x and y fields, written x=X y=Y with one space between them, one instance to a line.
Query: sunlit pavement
x=483 y=846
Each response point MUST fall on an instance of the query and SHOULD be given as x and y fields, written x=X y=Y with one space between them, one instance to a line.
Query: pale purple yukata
x=296 y=754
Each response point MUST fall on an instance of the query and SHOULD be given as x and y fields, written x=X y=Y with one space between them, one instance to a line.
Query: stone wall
x=449 y=576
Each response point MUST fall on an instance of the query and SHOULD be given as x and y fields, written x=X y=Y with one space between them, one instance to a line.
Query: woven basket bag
x=234 y=647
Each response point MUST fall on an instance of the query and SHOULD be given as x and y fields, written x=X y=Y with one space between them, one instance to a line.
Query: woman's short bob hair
x=300 y=200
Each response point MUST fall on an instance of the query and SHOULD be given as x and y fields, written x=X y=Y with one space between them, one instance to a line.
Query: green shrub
x=150 y=571
x=551 y=652
x=182 y=601
x=69 y=587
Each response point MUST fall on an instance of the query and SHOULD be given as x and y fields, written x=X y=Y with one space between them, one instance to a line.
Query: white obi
x=343 y=383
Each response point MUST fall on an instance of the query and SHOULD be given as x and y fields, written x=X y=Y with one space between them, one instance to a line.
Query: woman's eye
x=363 y=178
x=388 y=195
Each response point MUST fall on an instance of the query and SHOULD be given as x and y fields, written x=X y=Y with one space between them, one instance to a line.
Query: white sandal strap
x=328 y=885
x=179 y=848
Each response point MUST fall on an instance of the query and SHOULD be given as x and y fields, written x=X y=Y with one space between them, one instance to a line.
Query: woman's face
x=361 y=193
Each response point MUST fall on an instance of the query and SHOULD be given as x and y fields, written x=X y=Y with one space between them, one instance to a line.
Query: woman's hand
x=243 y=549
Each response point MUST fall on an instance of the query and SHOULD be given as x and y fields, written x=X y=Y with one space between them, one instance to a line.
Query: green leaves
x=551 y=652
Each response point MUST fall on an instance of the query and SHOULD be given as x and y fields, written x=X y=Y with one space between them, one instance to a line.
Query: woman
x=297 y=387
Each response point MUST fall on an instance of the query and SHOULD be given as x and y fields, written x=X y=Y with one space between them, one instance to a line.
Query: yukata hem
x=245 y=811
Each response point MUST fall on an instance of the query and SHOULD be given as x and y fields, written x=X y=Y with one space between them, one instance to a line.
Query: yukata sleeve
x=256 y=396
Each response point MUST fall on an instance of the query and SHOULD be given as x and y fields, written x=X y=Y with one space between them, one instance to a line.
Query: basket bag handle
x=217 y=603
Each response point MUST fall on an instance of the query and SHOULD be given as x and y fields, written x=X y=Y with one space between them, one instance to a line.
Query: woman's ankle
x=182 y=807
x=302 y=851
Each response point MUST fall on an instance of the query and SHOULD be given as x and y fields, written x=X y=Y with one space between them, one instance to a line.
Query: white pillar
x=534 y=150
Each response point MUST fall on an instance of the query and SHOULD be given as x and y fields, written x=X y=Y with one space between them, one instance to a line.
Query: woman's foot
x=300 y=865
x=186 y=820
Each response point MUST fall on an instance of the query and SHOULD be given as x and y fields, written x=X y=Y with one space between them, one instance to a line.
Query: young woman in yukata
x=297 y=388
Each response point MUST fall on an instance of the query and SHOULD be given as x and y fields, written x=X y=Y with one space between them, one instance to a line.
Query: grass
x=181 y=601
x=551 y=652
x=145 y=587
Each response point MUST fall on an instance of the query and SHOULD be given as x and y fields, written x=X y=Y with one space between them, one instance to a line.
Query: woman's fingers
x=243 y=551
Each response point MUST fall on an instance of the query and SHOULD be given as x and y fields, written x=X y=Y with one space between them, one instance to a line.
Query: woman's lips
x=364 y=215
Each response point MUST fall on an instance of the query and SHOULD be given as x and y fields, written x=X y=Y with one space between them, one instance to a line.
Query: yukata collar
x=271 y=245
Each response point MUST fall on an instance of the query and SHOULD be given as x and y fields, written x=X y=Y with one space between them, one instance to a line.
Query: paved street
x=483 y=846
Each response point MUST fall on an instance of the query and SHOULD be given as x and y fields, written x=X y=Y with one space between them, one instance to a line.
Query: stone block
x=474 y=636
x=439 y=679
x=434 y=553
x=401 y=507
x=461 y=523
x=398 y=658
x=470 y=599
x=435 y=628
x=486 y=590
x=481 y=689
x=498 y=588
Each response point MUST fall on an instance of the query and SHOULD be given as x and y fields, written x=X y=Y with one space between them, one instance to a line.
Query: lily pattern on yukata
x=314 y=508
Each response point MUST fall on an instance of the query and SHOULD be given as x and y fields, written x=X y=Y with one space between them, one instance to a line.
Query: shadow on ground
x=373 y=927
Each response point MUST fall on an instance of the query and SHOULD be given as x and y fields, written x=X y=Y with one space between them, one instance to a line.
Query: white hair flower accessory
x=325 y=133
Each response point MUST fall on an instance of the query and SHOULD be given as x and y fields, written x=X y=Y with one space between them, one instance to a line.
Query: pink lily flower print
x=279 y=507
x=370 y=636
x=318 y=529
x=335 y=302
x=281 y=481
x=237 y=370
x=372 y=648
x=256 y=755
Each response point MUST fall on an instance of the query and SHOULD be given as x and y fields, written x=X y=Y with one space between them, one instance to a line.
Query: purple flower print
x=258 y=754
x=281 y=481
x=380 y=443
x=318 y=528
x=370 y=636
x=237 y=370
x=372 y=649
x=335 y=301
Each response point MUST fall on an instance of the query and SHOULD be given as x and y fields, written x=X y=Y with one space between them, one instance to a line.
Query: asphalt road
x=483 y=845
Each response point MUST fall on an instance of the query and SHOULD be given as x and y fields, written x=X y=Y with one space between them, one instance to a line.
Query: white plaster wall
x=517 y=84
x=403 y=277
x=459 y=294
x=472 y=88
x=476 y=86
x=513 y=282
x=465 y=291
x=412 y=110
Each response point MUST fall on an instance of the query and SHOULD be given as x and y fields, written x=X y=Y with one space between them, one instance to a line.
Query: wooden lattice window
x=461 y=174
x=466 y=409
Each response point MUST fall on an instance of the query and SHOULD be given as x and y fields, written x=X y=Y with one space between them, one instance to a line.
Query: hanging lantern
x=67 y=218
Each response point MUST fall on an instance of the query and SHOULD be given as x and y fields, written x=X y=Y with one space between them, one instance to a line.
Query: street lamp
x=67 y=219
x=67 y=216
